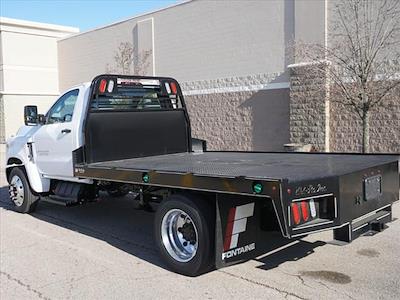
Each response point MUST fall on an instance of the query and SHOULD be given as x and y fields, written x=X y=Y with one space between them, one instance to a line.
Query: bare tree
x=129 y=61
x=361 y=61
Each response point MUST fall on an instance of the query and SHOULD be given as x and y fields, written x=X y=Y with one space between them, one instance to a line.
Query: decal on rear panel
x=237 y=222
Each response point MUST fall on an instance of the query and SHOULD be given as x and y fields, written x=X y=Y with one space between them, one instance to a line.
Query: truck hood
x=24 y=133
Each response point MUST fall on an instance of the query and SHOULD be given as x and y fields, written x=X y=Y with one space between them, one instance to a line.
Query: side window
x=63 y=109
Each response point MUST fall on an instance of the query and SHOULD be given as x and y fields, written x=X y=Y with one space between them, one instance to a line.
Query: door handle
x=65 y=131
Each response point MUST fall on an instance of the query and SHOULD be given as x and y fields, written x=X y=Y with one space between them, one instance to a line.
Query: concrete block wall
x=346 y=127
x=193 y=41
x=215 y=51
x=243 y=113
x=308 y=107
x=221 y=120
x=329 y=126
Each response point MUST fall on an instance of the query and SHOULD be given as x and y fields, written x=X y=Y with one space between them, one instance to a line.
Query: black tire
x=29 y=201
x=202 y=213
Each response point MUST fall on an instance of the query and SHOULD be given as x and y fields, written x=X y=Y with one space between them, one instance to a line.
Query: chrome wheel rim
x=179 y=235
x=16 y=190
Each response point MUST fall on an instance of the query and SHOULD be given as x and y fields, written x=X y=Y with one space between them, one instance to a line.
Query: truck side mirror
x=31 y=115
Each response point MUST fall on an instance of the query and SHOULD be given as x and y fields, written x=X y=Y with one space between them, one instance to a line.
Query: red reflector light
x=296 y=213
x=102 y=86
x=304 y=210
x=174 y=89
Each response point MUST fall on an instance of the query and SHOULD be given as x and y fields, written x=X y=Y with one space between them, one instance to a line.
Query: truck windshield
x=135 y=94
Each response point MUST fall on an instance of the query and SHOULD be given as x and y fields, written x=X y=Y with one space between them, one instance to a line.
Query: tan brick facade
x=308 y=108
x=328 y=125
x=241 y=121
x=346 y=127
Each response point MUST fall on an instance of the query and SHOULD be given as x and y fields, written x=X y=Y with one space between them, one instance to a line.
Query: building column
x=2 y=123
x=309 y=106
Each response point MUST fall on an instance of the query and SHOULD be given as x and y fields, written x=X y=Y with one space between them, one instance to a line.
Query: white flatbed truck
x=131 y=134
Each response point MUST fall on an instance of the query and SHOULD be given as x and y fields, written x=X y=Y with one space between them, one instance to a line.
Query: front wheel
x=20 y=192
x=184 y=233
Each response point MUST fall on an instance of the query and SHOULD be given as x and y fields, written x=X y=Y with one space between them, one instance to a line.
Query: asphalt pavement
x=105 y=250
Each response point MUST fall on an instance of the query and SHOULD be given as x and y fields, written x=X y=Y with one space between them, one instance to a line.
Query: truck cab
x=44 y=145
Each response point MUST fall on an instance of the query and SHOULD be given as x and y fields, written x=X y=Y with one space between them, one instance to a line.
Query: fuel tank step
x=60 y=200
x=67 y=193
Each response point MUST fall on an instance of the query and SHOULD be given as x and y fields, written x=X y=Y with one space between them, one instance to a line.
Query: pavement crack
x=334 y=290
x=26 y=286
x=283 y=292
x=299 y=277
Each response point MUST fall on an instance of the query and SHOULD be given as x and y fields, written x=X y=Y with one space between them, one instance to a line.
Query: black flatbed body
x=152 y=148
x=291 y=167
x=236 y=172
x=337 y=183
x=285 y=177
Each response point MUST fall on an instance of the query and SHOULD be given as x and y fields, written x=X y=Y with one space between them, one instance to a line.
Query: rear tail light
x=296 y=213
x=174 y=89
x=304 y=210
x=102 y=86
x=318 y=209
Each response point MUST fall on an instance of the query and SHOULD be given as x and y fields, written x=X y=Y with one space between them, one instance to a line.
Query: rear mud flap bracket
x=370 y=223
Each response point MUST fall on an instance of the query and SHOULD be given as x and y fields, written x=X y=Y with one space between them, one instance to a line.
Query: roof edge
x=37 y=25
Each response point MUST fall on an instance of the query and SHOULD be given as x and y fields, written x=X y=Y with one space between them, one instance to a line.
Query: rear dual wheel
x=184 y=233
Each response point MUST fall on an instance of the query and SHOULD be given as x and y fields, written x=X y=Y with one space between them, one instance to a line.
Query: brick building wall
x=221 y=120
x=241 y=121
x=346 y=127
x=239 y=113
x=309 y=120
x=230 y=60
x=330 y=126
x=191 y=41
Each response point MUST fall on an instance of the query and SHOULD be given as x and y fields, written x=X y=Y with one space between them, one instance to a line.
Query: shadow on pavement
x=294 y=252
x=113 y=220
x=117 y=222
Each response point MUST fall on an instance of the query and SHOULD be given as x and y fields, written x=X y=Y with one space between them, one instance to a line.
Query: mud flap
x=237 y=229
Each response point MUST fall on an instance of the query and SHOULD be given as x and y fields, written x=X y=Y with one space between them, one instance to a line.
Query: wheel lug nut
x=185 y=244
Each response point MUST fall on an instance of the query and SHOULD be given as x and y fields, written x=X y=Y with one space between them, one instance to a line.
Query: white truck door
x=55 y=140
